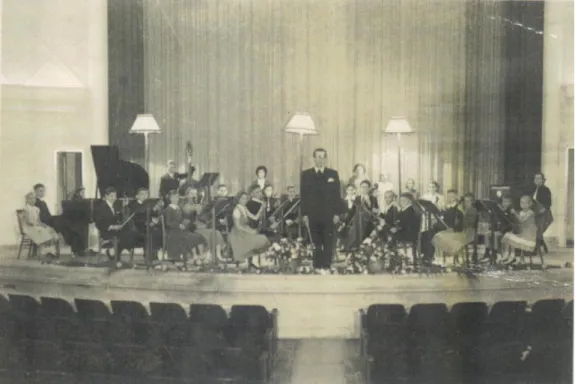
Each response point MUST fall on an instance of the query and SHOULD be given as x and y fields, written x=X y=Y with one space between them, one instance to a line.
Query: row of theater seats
x=510 y=342
x=50 y=341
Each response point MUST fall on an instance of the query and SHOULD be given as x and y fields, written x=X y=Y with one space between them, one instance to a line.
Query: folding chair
x=25 y=241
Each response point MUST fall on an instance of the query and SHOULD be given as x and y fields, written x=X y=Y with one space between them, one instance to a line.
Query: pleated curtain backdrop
x=227 y=75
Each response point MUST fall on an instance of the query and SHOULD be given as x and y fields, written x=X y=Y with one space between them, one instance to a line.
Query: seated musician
x=261 y=177
x=180 y=242
x=367 y=211
x=143 y=222
x=524 y=235
x=223 y=216
x=291 y=214
x=72 y=233
x=462 y=227
x=347 y=236
x=388 y=212
x=108 y=220
x=406 y=227
x=191 y=210
x=40 y=233
x=171 y=180
x=255 y=205
x=246 y=242
x=269 y=220
x=496 y=234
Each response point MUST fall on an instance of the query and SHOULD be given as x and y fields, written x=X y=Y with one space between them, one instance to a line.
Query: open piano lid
x=111 y=171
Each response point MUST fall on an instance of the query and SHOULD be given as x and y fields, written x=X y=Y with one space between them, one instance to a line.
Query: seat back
x=250 y=316
x=429 y=323
x=55 y=307
x=168 y=312
x=507 y=312
x=568 y=311
x=384 y=314
x=468 y=318
x=24 y=304
x=546 y=320
x=92 y=309
x=129 y=310
x=211 y=315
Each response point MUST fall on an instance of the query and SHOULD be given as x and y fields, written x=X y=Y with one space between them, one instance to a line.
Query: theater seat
x=171 y=322
x=131 y=322
x=95 y=320
x=58 y=320
x=384 y=341
x=208 y=326
x=504 y=339
x=24 y=310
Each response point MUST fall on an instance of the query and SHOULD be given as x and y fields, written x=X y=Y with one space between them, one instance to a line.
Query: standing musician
x=171 y=181
x=320 y=208
x=108 y=220
x=541 y=194
x=291 y=214
x=261 y=177
x=143 y=222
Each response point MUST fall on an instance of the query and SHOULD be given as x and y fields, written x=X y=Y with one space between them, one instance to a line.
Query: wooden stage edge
x=309 y=305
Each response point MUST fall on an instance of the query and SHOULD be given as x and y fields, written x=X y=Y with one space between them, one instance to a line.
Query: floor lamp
x=145 y=124
x=398 y=126
x=301 y=124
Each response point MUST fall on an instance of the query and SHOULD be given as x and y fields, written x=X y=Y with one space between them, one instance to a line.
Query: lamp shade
x=398 y=125
x=302 y=124
x=145 y=123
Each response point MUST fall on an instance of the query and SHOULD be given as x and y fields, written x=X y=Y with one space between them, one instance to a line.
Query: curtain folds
x=227 y=75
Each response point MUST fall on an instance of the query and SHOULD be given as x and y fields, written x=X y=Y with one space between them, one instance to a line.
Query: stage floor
x=310 y=306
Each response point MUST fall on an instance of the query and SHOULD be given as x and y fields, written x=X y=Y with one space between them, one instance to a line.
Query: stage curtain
x=227 y=75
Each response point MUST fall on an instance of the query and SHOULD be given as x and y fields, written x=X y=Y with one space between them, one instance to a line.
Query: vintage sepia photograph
x=286 y=191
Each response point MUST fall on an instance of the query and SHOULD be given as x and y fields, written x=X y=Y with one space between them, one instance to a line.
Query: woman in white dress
x=245 y=241
x=41 y=234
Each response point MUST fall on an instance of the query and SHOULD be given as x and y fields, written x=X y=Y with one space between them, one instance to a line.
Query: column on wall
x=557 y=109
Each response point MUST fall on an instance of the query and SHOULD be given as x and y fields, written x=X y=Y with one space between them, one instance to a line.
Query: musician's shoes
x=511 y=261
x=109 y=254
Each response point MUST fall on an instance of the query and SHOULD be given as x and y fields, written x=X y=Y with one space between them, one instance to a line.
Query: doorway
x=69 y=169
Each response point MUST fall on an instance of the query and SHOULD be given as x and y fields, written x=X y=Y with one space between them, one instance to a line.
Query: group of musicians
x=198 y=228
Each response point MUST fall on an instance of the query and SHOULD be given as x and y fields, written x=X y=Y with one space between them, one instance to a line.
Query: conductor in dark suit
x=320 y=208
x=542 y=194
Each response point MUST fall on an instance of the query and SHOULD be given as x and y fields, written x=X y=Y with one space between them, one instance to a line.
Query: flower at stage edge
x=276 y=247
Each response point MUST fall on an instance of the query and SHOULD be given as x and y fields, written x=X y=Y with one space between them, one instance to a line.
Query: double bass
x=190 y=181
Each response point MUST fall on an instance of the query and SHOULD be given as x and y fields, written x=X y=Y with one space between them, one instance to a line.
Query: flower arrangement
x=290 y=256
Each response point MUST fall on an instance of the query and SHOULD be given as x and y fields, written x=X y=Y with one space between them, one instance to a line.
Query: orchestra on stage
x=199 y=222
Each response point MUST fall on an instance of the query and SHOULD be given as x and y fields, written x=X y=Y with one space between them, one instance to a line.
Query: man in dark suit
x=108 y=220
x=73 y=234
x=170 y=181
x=320 y=208
x=542 y=194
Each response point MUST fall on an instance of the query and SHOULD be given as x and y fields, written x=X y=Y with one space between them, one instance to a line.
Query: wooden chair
x=25 y=241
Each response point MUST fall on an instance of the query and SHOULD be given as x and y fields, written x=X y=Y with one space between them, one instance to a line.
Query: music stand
x=497 y=217
x=206 y=182
x=149 y=206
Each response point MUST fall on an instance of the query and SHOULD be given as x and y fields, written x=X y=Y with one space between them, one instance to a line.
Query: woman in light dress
x=524 y=235
x=246 y=241
x=41 y=234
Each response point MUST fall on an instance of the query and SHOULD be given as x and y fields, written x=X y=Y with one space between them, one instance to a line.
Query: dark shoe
x=110 y=257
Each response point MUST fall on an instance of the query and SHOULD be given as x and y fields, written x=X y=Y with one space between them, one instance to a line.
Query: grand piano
x=111 y=171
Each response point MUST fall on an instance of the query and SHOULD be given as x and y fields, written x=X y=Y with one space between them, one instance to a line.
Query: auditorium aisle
x=318 y=361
